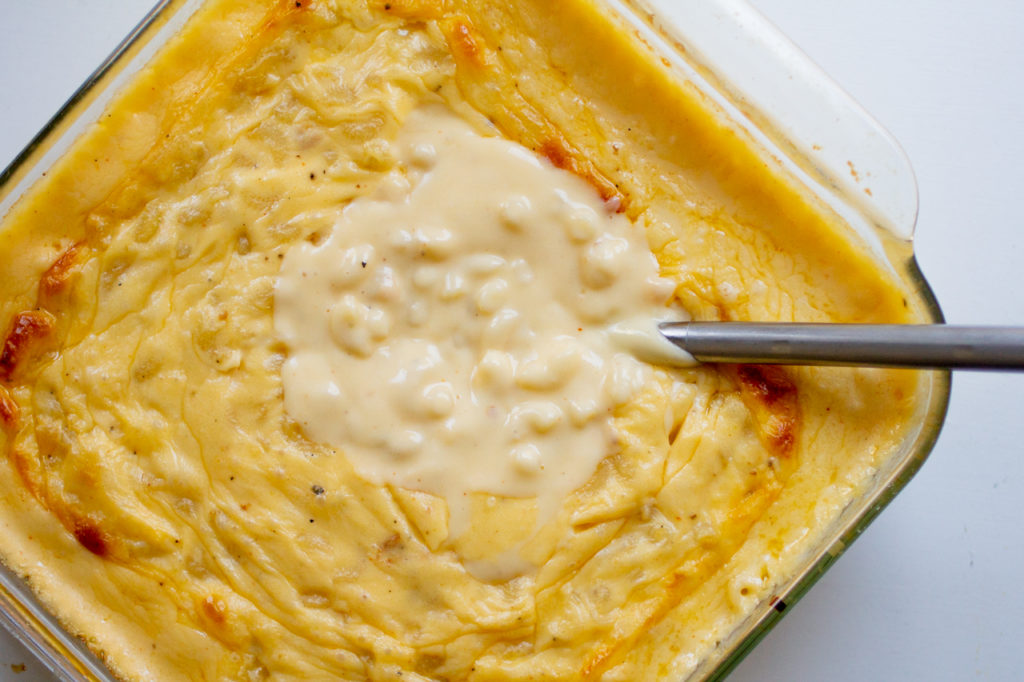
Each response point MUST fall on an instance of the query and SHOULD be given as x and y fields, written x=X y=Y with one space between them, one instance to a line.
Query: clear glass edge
x=69 y=658
x=63 y=654
x=853 y=520
x=9 y=175
x=783 y=93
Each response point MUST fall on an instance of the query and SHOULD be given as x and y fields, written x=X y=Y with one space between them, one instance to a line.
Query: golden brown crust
x=57 y=277
x=91 y=536
x=561 y=155
x=214 y=610
x=387 y=551
x=29 y=470
x=27 y=332
x=773 y=400
x=465 y=42
x=8 y=411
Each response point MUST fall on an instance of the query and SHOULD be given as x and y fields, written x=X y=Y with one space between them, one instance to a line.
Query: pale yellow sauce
x=453 y=331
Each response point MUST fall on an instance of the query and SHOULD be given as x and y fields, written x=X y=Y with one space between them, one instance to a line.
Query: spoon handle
x=925 y=346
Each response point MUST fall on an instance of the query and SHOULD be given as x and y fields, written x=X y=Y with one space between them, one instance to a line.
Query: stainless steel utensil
x=926 y=346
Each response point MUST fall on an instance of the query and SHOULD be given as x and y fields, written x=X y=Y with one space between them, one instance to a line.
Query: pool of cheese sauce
x=469 y=327
x=165 y=504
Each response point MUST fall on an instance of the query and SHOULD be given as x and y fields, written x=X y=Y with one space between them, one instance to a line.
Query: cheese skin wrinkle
x=168 y=506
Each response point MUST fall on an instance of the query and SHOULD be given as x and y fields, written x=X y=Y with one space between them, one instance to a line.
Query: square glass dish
x=762 y=85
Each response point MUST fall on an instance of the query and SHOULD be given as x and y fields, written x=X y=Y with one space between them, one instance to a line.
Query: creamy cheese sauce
x=470 y=326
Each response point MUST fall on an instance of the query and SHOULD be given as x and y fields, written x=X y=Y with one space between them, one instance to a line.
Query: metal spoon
x=873 y=345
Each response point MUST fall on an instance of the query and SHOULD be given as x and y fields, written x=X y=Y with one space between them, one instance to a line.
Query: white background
x=933 y=590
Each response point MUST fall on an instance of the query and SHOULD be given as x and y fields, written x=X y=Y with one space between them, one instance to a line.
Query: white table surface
x=933 y=590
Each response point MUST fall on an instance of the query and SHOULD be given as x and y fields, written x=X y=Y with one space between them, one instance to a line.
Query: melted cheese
x=470 y=305
x=171 y=503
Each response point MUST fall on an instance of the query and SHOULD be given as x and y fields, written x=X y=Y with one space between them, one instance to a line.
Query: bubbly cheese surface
x=231 y=451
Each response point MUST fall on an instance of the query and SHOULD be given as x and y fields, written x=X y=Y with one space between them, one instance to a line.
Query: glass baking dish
x=761 y=83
